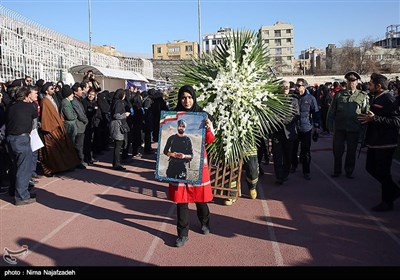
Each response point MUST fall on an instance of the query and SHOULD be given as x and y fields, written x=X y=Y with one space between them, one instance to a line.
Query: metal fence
x=28 y=48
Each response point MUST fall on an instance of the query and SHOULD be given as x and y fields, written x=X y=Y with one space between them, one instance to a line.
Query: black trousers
x=252 y=171
x=340 y=139
x=203 y=213
x=117 y=152
x=79 y=140
x=304 y=138
x=177 y=169
x=282 y=152
x=378 y=164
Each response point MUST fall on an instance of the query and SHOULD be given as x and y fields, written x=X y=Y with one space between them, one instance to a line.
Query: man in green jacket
x=342 y=120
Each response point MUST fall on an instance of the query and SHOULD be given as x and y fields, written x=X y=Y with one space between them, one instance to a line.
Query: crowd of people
x=357 y=114
x=75 y=123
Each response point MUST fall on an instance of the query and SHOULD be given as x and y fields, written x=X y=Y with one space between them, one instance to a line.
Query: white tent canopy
x=108 y=72
x=110 y=79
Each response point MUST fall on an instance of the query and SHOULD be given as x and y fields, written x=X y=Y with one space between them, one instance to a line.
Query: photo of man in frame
x=180 y=150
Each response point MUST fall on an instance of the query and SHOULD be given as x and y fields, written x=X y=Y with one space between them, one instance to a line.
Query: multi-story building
x=392 y=37
x=279 y=41
x=29 y=48
x=178 y=49
x=308 y=60
x=211 y=40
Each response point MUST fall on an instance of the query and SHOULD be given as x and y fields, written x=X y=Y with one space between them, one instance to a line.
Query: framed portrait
x=181 y=146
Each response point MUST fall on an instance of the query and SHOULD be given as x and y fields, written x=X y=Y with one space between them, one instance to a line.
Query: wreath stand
x=225 y=180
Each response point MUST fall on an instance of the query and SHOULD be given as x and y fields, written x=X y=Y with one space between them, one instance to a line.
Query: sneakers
x=205 y=229
x=138 y=155
x=230 y=201
x=253 y=193
x=25 y=202
x=181 y=241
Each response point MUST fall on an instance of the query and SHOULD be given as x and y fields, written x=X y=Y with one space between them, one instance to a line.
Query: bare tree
x=364 y=58
x=348 y=57
x=369 y=62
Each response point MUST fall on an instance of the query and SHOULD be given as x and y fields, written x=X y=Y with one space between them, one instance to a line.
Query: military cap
x=352 y=76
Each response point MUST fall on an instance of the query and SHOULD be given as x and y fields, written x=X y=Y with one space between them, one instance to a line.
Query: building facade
x=279 y=41
x=179 y=49
x=27 y=48
x=392 y=37
x=211 y=40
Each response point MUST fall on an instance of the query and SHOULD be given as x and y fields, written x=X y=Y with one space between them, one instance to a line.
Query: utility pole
x=199 y=22
x=90 y=32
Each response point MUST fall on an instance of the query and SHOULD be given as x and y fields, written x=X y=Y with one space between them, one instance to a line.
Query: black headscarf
x=195 y=107
x=190 y=90
x=118 y=106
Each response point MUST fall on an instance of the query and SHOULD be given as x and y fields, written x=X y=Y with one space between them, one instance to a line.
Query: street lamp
x=199 y=21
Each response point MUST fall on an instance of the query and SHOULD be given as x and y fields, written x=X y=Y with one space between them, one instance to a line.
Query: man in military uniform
x=179 y=148
x=346 y=105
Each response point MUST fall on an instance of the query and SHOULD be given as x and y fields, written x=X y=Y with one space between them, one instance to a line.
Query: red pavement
x=102 y=217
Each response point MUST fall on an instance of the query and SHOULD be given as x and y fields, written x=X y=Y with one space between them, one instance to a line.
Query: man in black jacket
x=19 y=118
x=179 y=148
x=383 y=121
x=283 y=139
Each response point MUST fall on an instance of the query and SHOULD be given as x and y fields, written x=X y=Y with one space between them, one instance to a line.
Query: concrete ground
x=100 y=217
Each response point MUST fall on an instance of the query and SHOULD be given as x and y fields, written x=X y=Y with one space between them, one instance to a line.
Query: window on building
x=289 y=40
x=277 y=42
x=188 y=48
x=266 y=41
x=278 y=33
x=289 y=58
x=174 y=49
x=266 y=32
x=278 y=51
x=214 y=42
x=288 y=31
x=159 y=50
x=207 y=43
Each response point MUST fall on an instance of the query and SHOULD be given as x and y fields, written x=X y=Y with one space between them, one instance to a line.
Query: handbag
x=124 y=128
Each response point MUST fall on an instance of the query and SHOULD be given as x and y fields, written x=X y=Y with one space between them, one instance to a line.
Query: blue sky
x=132 y=26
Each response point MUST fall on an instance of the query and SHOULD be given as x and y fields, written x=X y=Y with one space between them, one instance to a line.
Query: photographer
x=91 y=80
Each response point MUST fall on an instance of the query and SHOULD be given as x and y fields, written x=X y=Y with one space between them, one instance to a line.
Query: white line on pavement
x=365 y=211
x=73 y=217
x=157 y=239
x=271 y=231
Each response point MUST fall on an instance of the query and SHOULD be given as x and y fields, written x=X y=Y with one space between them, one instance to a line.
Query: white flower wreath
x=234 y=85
